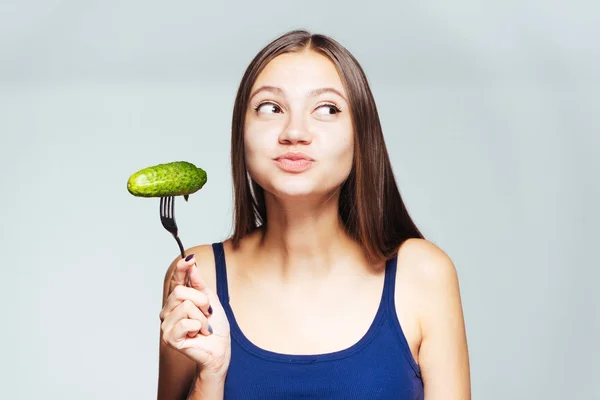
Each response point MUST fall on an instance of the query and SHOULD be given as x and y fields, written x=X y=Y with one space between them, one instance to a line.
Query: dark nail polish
x=188 y=258
x=210 y=329
x=210 y=310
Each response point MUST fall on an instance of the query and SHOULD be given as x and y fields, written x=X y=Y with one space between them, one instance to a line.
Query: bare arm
x=175 y=371
x=443 y=354
x=178 y=376
x=207 y=388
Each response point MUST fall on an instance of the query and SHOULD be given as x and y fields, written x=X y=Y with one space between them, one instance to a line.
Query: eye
x=267 y=108
x=328 y=109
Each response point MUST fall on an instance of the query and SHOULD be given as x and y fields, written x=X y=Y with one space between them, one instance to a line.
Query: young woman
x=326 y=289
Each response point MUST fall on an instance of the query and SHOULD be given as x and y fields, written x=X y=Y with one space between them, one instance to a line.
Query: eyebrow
x=312 y=93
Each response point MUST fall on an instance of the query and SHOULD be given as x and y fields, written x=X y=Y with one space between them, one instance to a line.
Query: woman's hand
x=194 y=322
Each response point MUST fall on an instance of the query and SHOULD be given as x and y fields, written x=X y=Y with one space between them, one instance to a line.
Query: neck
x=306 y=237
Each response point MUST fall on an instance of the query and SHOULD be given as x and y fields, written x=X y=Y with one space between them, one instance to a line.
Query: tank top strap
x=389 y=285
x=390 y=304
x=221 y=272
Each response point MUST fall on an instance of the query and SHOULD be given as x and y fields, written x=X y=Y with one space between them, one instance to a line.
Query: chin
x=298 y=187
x=291 y=189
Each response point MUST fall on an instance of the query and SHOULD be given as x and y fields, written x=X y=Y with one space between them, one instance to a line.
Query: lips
x=294 y=162
x=294 y=156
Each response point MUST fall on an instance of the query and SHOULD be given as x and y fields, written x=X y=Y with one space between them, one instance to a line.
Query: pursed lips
x=294 y=161
x=294 y=156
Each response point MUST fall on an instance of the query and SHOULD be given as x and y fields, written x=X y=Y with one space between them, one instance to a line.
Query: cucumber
x=178 y=178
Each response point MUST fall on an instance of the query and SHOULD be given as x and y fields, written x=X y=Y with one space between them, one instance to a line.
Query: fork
x=167 y=218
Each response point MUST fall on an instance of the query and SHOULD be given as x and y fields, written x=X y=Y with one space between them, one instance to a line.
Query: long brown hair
x=370 y=205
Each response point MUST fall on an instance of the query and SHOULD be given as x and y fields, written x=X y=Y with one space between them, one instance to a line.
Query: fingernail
x=188 y=258
x=210 y=329
x=210 y=310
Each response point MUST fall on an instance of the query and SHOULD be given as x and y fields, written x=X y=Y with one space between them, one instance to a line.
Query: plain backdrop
x=490 y=114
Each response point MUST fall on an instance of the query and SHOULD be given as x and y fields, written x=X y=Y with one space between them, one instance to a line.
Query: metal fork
x=167 y=218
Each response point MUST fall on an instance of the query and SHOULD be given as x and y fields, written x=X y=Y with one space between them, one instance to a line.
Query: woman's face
x=298 y=131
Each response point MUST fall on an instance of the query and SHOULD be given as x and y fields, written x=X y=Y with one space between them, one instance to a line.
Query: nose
x=295 y=131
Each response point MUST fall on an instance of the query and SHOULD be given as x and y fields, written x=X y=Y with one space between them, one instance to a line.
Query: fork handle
x=187 y=278
x=180 y=246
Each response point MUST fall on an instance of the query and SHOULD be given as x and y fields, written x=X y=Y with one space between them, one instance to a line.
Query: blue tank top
x=379 y=366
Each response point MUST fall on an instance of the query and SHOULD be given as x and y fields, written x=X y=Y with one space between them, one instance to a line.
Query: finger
x=186 y=310
x=182 y=293
x=183 y=329
x=181 y=270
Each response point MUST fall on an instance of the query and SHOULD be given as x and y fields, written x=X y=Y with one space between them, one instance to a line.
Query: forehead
x=301 y=70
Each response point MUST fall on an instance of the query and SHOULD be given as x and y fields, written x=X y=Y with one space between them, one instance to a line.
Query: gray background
x=490 y=112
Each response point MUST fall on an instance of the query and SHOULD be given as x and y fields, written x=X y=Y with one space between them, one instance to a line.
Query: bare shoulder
x=442 y=350
x=205 y=261
x=427 y=264
x=426 y=287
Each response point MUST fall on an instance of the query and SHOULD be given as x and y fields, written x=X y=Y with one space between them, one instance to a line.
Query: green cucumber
x=178 y=178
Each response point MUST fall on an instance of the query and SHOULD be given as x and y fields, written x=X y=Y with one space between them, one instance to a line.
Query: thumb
x=181 y=270
x=196 y=280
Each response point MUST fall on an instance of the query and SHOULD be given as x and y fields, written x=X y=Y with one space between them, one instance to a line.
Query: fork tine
x=173 y=208
x=167 y=218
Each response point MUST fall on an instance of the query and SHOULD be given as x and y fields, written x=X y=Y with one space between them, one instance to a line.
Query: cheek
x=258 y=147
x=345 y=159
x=340 y=148
x=254 y=141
